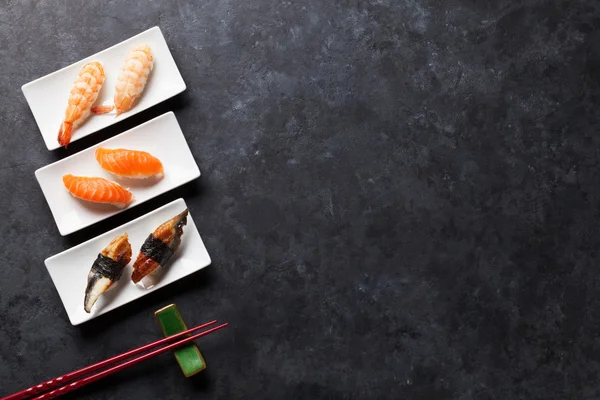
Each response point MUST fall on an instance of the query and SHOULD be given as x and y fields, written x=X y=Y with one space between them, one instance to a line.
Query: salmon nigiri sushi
x=97 y=190
x=129 y=163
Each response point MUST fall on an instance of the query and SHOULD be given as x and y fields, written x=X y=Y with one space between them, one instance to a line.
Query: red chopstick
x=67 y=378
x=92 y=378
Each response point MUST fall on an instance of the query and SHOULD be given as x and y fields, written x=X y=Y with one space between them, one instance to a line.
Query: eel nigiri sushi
x=157 y=249
x=97 y=190
x=107 y=269
x=82 y=97
x=131 y=80
x=129 y=163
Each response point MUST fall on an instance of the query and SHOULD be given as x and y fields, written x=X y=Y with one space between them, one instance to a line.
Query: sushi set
x=143 y=255
x=122 y=172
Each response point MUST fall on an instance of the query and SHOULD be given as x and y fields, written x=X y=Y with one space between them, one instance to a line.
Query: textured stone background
x=400 y=198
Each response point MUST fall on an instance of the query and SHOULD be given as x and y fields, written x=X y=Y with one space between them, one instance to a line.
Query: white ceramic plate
x=69 y=269
x=47 y=96
x=161 y=137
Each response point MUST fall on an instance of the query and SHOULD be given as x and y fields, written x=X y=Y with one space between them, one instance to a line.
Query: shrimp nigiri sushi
x=97 y=190
x=131 y=80
x=158 y=249
x=82 y=97
x=107 y=269
x=129 y=163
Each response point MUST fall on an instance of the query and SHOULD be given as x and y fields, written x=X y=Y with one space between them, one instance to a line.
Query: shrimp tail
x=64 y=133
x=102 y=109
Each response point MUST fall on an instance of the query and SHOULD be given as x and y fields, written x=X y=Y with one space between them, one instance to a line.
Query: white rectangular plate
x=161 y=137
x=47 y=96
x=69 y=269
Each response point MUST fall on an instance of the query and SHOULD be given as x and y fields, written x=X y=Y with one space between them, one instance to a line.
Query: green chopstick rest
x=189 y=357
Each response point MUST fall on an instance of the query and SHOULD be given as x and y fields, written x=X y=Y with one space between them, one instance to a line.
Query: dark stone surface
x=400 y=199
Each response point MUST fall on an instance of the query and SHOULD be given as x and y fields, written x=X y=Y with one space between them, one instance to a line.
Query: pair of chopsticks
x=71 y=381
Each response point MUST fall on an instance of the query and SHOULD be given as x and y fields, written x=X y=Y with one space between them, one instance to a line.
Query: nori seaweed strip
x=156 y=249
x=108 y=268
